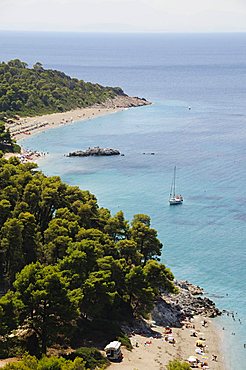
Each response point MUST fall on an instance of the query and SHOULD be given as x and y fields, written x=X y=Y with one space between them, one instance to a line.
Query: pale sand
x=158 y=352
x=26 y=156
x=31 y=125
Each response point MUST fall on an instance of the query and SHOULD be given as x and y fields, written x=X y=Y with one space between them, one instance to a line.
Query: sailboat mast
x=171 y=190
x=174 y=181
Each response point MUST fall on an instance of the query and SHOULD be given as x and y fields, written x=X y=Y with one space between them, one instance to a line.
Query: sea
x=196 y=122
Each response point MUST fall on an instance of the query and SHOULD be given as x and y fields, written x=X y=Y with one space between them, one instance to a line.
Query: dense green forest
x=6 y=142
x=34 y=91
x=68 y=268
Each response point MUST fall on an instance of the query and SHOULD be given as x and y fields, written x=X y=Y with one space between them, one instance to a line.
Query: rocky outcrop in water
x=96 y=151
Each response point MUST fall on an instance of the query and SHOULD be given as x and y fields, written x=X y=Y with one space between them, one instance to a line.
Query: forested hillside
x=35 y=91
x=66 y=264
x=6 y=142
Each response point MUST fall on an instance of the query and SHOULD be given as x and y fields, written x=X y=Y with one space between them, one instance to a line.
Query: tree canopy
x=6 y=143
x=65 y=261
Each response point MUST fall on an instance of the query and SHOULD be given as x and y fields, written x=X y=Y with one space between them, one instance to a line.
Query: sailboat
x=173 y=198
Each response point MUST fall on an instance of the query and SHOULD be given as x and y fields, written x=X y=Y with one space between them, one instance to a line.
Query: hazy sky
x=124 y=15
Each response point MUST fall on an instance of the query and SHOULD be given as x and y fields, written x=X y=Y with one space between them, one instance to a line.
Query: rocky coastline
x=172 y=309
x=94 y=152
x=179 y=327
x=123 y=101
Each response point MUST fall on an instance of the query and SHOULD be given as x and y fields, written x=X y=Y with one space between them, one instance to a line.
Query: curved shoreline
x=20 y=128
x=27 y=126
x=32 y=125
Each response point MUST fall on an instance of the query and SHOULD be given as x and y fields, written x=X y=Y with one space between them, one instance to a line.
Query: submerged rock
x=96 y=151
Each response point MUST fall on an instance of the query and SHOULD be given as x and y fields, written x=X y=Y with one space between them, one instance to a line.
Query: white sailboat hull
x=174 y=201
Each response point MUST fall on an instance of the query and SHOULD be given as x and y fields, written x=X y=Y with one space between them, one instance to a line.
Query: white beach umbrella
x=192 y=359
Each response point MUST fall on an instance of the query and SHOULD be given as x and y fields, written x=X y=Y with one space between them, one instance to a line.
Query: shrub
x=46 y=363
x=125 y=341
x=178 y=365
x=91 y=356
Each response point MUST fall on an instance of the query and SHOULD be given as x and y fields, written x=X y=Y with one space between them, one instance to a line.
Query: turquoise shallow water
x=204 y=239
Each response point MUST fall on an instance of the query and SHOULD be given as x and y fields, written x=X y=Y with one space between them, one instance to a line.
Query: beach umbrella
x=199 y=351
x=200 y=343
x=170 y=338
x=192 y=359
x=193 y=333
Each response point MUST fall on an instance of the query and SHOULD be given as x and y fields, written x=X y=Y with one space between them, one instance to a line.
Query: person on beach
x=214 y=358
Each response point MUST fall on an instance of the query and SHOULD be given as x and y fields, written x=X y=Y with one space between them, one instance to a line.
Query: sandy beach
x=21 y=127
x=32 y=125
x=154 y=352
x=26 y=126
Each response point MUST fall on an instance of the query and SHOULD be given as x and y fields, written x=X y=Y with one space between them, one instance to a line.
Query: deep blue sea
x=205 y=238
